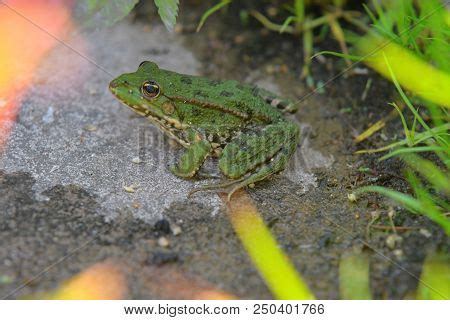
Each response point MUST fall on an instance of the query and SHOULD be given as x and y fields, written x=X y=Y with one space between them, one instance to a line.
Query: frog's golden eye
x=150 y=89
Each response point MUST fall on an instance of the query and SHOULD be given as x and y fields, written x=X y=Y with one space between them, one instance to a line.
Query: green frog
x=244 y=126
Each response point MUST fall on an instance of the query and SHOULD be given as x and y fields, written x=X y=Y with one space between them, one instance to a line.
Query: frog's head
x=143 y=92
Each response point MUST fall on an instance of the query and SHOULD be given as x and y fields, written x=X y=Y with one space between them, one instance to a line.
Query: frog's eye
x=142 y=63
x=150 y=89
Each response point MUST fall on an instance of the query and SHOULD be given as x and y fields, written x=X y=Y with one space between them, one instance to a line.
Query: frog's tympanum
x=242 y=125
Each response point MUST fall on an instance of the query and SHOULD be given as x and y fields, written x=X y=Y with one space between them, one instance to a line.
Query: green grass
x=409 y=43
x=430 y=182
x=301 y=22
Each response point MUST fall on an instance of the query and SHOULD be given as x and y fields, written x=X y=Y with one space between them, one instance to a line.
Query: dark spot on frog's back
x=186 y=80
x=195 y=112
x=199 y=93
x=226 y=94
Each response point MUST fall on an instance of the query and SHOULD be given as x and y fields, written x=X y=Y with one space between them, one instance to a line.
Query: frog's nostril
x=113 y=84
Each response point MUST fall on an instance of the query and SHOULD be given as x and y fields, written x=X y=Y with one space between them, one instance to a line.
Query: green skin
x=242 y=125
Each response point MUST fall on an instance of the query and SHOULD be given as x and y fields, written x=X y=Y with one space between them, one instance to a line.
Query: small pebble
x=425 y=233
x=163 y=242
x=136 y=160
x=351 y=197
x=360 y=71
x=392 y=240
x=136 y=205
x=176 y=230
x=130 y=189
x=90 y=128
x=92 y=92
x=398 y=253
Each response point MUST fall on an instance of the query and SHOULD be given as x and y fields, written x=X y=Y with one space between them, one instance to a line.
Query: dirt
x=314 y=225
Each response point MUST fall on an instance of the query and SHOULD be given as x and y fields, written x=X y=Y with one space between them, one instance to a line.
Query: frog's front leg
x=192 y=159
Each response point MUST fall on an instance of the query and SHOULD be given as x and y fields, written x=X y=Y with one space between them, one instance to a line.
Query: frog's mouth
x=116 y=87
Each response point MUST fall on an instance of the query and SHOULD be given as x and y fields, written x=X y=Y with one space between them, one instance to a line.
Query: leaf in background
x=168 y=11
x=102 y=13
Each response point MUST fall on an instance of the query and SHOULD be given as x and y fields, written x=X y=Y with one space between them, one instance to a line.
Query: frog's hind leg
x=252 y=158
x=259 y=157
x=276 y=164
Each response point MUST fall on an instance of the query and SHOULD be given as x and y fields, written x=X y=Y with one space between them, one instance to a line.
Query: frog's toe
x=182 y=174
x=219 y=186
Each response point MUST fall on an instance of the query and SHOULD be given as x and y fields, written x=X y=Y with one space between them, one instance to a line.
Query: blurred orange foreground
x=27 y=31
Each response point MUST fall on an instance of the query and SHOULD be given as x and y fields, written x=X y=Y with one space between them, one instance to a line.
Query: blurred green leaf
x=102 y=13
x=168 y=11
x=435 y=278
x=354 y=281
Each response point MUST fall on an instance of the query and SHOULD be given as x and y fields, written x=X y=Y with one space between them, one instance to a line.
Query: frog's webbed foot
x=192 y=159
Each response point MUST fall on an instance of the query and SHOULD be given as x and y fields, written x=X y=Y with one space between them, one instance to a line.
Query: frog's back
x=228 y=93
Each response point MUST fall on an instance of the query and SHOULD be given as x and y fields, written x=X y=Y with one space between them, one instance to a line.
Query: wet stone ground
x=73 y=149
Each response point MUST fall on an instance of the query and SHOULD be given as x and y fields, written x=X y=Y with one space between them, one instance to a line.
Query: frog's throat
x=167 y=125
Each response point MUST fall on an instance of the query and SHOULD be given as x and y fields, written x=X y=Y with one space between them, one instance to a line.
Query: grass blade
x=411 y=150
x=210 y=11
x=277 y=271
x=411 y=204
x=439 y=179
